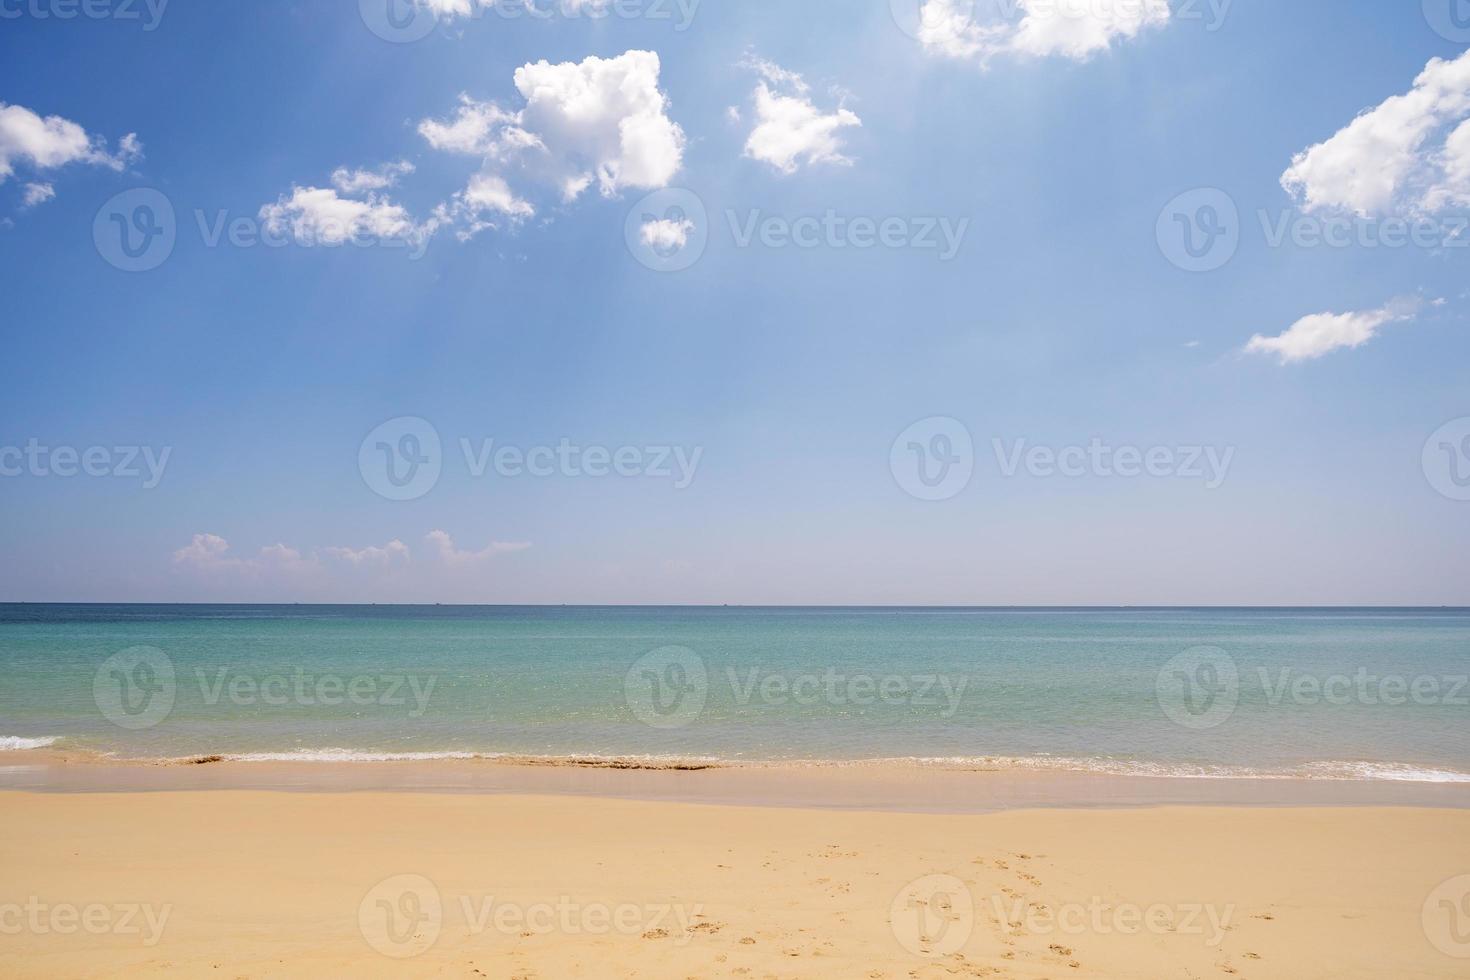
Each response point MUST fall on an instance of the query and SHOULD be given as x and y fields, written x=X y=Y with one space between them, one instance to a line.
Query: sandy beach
x=254 y=884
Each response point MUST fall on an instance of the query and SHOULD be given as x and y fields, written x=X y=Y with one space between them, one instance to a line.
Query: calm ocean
x=1342 y=693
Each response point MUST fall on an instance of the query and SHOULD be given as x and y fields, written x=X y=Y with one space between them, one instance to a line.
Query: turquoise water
x=1357 y=694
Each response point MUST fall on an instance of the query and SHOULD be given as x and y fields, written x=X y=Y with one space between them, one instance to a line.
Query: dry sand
x=255 y=884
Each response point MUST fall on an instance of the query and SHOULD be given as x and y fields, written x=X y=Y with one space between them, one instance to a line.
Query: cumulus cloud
x=1320 y=334
x=38 y=193
x=438 y=566
x=1408 y=155
x=357 y=181
x=442 y=546
x=40 y=143
x=665 y=234
x=600 y=121
x=790 y=130
x=321 y=216
x=978 y=30
x=395 y=552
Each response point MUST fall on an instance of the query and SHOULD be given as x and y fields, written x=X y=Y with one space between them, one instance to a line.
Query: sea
x=1208 y=693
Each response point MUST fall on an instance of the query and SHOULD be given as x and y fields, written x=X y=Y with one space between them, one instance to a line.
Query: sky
x=1018 y=302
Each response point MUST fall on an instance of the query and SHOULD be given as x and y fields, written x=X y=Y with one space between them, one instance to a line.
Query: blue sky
x=783 y=375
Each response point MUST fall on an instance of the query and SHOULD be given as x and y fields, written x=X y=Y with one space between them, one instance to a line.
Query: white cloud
x=1408 y=155
x=442 y=546
x=978 y=30
x=38 y=194
x=320 y=216
x=395 y=552
x=789 y=129
x=282 y=569
x=452 y=9
x=473 y=129
x=47 y=143
x=1314 y=336
x=665 y=234
x=206 y=551
x=490 y=192
x=600 y=120
x=358 y=181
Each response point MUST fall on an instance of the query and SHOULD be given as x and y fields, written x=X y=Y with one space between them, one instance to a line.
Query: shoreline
x=882 y=787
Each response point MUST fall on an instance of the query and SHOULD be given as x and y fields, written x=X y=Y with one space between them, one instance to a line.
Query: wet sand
x=861 y=787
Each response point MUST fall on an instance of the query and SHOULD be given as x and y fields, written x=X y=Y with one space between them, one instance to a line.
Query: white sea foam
x=17 y=743
x=351 y=755
x=1315 y=771
x=1324 y=771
